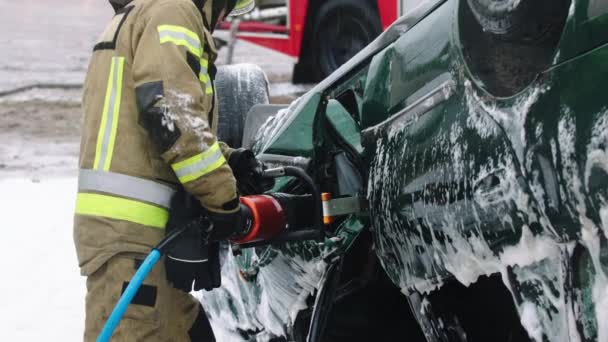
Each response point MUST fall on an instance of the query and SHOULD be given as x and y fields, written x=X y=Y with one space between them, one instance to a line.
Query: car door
x=443 y=179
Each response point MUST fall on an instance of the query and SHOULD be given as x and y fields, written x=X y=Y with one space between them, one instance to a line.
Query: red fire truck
x=320 y=34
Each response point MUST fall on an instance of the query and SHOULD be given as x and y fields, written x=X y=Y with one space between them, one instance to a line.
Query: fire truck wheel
x=238 y=87
x=342 y=29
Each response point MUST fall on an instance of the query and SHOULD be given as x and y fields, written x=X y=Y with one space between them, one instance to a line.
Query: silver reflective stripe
x=202 y=166
x=341 y=206
x=125 y=186
x=110 y=114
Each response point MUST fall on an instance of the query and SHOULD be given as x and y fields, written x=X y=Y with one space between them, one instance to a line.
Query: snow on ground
x=42 y=295
x=42 y=292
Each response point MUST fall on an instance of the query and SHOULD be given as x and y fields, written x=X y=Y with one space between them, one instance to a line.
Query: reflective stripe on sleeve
x=181 y=36
x=125 y=186
x=199 y=165
x=109 y=119
x=203 y=76
x=204 y=66
x=121 y=209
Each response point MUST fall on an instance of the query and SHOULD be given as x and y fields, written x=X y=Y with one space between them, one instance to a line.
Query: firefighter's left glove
x=249 y=172
x=191 y=262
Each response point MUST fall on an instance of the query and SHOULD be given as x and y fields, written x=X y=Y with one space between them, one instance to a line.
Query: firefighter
x=148 y=137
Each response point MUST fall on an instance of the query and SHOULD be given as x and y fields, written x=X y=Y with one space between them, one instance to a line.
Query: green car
x=466 y=154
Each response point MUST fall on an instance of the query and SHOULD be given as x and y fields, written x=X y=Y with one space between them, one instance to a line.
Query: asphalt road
x=49 y=43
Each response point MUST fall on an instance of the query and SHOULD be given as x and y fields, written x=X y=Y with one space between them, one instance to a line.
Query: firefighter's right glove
x=192 y=262
x=249 y=173
x=231 y=225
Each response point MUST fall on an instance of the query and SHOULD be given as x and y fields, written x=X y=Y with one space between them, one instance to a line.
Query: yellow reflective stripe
x=121 y=209
x=115 y=116
x=106 y=137
x=179 y=29
x=200 y=173
x=203 y=76
x=209 y=89
x=200 y=164
x=180 y=36
x=104 y=119
x=197 y=158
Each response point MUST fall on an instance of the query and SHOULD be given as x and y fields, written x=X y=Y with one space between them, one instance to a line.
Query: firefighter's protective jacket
x=149 y=125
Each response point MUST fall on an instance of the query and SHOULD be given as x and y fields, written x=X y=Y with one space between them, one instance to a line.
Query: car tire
x=238 y=87
x=342 y=28
x=507 y=44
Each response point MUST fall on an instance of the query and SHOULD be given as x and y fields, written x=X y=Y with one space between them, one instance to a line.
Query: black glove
x=191 y=258
x=248 y=172
x=228 y=226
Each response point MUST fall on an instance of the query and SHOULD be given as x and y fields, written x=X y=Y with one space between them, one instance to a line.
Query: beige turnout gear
x=149 y=125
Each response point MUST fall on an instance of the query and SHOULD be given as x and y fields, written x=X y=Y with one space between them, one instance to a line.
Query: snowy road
x=42 y=295
x=49 y=42
x=42 y=292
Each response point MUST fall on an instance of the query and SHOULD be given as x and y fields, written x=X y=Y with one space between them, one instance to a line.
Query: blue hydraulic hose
x=127 y=296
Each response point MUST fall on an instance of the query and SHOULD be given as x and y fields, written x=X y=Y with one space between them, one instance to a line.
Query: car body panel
x=460 y=183
x=429 y=170
x=585 y=29
x=290 y=132
x=344 y=124
x=456 y=191
x=390 y=86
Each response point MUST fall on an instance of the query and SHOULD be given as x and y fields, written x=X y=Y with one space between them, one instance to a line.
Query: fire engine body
x=298 y=28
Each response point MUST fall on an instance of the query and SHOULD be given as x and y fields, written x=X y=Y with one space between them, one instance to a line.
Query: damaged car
x=463 y=157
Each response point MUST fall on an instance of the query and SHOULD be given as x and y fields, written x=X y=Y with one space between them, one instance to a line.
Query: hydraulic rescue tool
x=276 y=218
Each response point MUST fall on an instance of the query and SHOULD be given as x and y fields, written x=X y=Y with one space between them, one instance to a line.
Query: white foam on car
x=537 y=259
